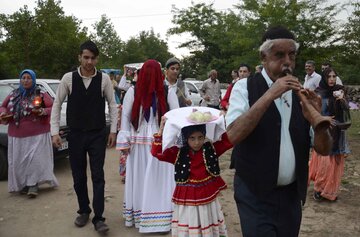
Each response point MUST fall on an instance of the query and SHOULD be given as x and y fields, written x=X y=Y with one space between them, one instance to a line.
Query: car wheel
x=3 y=163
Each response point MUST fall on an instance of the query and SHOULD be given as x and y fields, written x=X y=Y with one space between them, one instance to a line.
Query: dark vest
x=257 y=157
x=86 y=107
x=182 y=164
x=180 y=92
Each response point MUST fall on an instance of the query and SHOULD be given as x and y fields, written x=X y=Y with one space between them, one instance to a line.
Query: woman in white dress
x=149 y=183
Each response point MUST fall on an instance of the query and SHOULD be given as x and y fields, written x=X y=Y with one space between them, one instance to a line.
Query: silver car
x=4 y=92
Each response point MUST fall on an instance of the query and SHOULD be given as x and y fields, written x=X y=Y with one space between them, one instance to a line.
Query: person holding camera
x=326 y=171
x=129 y=74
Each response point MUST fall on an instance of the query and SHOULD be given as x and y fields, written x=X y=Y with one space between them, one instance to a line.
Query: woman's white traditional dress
x=149 y=183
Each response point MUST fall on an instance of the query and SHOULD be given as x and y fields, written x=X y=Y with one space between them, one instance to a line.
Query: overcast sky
x=129 y=17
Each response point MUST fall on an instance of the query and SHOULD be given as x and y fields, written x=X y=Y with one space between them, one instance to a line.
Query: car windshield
x=54 y=86
x=198 y=84
x=4 y=91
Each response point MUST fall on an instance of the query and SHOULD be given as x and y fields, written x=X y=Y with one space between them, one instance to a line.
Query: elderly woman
x=30 y=155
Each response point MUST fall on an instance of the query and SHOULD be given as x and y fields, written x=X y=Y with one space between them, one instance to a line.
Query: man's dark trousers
x=92 y=143
x=277 y=214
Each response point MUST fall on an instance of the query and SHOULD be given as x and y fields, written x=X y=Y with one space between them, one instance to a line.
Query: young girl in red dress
x=197 y=211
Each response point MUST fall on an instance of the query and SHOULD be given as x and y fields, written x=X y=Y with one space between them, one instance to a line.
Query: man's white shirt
x=312 y=81
x=239 y=104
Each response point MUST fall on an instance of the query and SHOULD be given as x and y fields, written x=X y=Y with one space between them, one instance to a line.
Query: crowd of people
x=169 y=150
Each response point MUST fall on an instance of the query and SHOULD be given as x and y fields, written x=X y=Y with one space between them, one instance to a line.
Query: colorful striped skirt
x=199 y=221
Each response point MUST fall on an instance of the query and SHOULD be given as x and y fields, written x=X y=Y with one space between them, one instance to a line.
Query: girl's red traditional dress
x=197 y=211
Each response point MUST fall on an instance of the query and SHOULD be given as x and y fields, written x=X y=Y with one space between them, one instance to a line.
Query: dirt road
x=52 y=213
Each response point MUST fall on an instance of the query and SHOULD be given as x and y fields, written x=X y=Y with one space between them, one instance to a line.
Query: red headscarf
x=150 y=82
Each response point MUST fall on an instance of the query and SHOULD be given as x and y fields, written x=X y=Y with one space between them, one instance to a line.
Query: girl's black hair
x=187 y=131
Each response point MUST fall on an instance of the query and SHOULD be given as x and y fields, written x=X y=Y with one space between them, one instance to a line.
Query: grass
x=351 y=178
x=354 y=131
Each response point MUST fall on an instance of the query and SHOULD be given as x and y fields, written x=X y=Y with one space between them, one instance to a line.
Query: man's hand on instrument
x=284 y=84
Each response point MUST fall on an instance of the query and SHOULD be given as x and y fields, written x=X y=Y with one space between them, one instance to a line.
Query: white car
x=193 y=86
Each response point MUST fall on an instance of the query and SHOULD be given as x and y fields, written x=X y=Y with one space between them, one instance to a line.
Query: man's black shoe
x=101 y=227
x=82 y=219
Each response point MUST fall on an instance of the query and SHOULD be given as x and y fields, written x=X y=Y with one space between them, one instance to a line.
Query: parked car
x=4 y=91
x=193 y=86
x=48 y=85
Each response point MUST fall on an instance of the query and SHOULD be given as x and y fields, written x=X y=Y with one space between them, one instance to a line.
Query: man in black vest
x=175 y=86
x=270 y=133
x=86 y=89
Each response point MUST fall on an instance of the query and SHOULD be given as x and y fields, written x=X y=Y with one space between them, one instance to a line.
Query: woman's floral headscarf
x=24 y=91
x=21 y=94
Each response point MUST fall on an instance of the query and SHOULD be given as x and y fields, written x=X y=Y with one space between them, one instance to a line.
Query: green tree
x=350 y=50
x=313 y=23
x=190 y=67
x=207 y=28
x=154 y=47
x=224 y=40
x=15 y=42
x=132 y=51
x=109 y=43
x=47 y=41
x=147 y=45
x=114 y=53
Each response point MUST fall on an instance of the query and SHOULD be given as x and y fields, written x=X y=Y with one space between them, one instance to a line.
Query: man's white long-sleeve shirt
x=65 y=89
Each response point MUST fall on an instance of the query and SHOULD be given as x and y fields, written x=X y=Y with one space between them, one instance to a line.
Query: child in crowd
x=124 y=86
x=197 y=211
